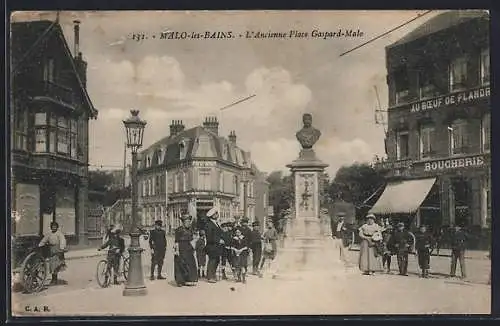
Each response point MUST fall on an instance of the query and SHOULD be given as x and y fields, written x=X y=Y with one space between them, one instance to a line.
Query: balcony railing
x=55 y=91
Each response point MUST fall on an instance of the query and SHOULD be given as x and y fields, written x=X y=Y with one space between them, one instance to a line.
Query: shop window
x=459 y=139
x=486 y=132
x=403 y=141
x=426 y=141
x=427 y=88
x=458 y=74
x=402 y=86
x=66 y=210
x=485 y=67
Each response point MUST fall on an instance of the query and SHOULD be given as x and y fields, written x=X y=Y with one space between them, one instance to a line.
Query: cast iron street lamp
x=134 y=127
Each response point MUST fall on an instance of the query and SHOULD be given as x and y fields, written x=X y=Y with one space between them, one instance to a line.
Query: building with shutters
x=438 y=140
x=50 y=112
x=192 y=170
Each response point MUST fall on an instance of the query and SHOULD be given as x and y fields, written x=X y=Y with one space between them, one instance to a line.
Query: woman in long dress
x=185 y=269
x=369 y=263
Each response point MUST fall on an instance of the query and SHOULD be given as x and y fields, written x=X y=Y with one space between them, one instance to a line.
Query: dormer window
x=182 y=150
x=458 y=74
x=159 y=157
x=148 y=164
x=49 y=70
x=225 y=152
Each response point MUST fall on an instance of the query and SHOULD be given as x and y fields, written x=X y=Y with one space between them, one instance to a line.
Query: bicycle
x=103 y=273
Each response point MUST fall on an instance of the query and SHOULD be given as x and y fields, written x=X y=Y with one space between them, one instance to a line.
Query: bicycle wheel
x=103 y=274
x=33 y=273
x=126 y=265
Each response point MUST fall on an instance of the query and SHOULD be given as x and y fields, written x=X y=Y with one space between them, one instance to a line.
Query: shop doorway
x=430 y=210
x=201 y=220
x=462 y=191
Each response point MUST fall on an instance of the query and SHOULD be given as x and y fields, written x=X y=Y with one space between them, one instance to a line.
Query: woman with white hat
x=369 y=263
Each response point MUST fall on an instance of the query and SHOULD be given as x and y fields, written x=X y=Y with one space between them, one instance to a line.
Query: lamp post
x=134 y=127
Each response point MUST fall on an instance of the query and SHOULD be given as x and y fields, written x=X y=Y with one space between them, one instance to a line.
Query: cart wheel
x=126 y=265
x=103 y=274
x=33 y=273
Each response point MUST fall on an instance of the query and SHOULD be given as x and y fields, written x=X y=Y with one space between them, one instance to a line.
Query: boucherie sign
x=457 y=98
x=454 y=163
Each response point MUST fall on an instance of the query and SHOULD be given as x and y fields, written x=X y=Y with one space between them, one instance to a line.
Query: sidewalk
x=469 y=254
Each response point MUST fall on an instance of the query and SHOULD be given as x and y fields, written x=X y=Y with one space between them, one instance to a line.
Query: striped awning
x=403 y=196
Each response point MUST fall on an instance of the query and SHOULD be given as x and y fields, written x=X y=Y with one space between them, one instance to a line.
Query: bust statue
x=308 y=135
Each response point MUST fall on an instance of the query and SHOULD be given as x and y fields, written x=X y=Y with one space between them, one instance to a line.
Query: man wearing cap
x=339 y=233
x=226 y=251
x=158 y=245
x=423 y=244
x=256 y=246
x=403 y=241
x=215 y=244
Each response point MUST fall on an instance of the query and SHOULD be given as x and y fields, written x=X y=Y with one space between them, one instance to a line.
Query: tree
x=102 y=182
x=280 y=193
x=355 y=183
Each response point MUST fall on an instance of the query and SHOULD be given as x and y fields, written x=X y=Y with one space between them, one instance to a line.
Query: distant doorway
x=201 y=220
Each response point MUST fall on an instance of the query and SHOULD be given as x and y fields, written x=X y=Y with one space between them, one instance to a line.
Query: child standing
x=239 y=248
x=201 y=254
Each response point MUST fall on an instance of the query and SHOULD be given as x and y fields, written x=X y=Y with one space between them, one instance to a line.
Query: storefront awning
x=403 y=196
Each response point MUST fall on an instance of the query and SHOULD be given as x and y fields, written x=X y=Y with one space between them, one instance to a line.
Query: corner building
x=192 y=170
x=438 y=139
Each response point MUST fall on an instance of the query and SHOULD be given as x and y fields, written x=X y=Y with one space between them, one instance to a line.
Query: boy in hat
x=403 y=241
x=256 y=247
x=158 y=245
x=116 y=247
x=339 y=230
x=423 y=244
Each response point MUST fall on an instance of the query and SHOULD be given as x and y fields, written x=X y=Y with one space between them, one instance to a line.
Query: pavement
x=323 y=293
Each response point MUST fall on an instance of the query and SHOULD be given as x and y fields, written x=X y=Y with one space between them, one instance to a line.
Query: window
x=485 y=67
x=402 y=86
x=73 y=137
x=49 y=70
x=40 y=140
x=204 y=176
x=180 y=182
x=221 y=181
x=182 y=150
x=63 y=135
x=459 y=139
x=144 y=187
x=184 y=181
x=427 y=88
x=236 y=184
x=486 y=132
x=160 y=156
x=458 y=74
x=402 y=145
x=426 y=137
x=21 y=130
x=157 y=185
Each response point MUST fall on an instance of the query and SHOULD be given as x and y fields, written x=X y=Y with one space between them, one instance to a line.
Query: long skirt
x=57 y=262
x=185 y=269
x=368 y=262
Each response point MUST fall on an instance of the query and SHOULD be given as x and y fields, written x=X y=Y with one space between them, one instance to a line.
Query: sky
x=189 y=79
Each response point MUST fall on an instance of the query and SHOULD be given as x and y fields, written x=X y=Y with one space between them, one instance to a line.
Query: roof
x=198 y=143
x=27 y=37
x=441 y=22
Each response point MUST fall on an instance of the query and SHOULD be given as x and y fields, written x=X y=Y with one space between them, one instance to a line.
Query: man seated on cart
x=56 y=242
x=116 y=247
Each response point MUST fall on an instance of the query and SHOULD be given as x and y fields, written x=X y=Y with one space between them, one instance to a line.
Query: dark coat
x=423 y=240
x=115 y=244
x=255 y=238
x=402 y=241
x=158 y=240
x=343 y=233
x=214 y=234
x=459 y=240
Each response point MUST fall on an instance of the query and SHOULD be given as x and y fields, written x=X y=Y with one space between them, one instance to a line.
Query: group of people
x=225 y=244
x=380 y=241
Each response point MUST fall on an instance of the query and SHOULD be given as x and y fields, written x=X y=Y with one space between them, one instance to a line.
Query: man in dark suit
x=158 y=245
x=215 y=244
x=403 y=242
x=340 y=234
x=458 y=245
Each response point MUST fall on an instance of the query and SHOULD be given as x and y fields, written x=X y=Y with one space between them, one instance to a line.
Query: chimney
x=77 y=37
x=176 y=127
x=232 y=137
x=211 y=124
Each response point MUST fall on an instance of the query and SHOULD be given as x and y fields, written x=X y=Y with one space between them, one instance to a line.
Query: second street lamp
x=135 y=286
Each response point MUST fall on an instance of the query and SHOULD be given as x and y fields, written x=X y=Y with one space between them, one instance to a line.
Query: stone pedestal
x=307 y=247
